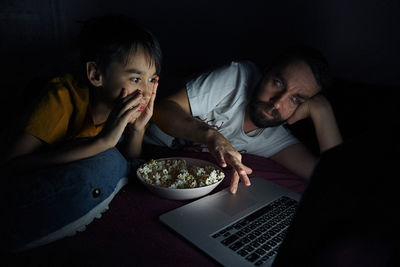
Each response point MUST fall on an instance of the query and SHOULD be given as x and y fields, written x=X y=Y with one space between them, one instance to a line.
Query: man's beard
x=258 y=117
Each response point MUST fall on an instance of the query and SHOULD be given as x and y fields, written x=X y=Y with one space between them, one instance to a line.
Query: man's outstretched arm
x=173 y=115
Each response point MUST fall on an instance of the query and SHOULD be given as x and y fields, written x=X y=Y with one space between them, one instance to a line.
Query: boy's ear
x=93 y=74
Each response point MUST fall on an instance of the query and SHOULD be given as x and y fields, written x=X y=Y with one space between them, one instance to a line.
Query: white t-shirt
x=219 y=98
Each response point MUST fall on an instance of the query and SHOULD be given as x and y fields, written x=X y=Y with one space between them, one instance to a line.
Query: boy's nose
x=136 y=91
x=148 y=89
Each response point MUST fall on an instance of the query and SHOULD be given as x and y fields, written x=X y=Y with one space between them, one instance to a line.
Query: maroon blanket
x=130 y=233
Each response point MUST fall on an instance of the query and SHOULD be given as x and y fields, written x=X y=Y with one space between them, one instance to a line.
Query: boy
x=69 y=142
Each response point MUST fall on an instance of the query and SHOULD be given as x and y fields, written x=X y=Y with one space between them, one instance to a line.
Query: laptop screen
x=346 y=216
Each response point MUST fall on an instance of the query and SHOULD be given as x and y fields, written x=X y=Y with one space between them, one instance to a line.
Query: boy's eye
x=135 y=80
x=154 y=79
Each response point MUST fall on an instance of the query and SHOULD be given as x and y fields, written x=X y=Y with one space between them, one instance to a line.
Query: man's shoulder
x=248 y=64
x=234 y=71
x=242 y=65
x=248 y=70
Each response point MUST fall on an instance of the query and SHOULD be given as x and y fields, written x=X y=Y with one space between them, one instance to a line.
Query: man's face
x=280 y=92
x=137 y=74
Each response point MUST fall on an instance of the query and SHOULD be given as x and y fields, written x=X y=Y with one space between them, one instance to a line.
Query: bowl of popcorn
x=180 y=178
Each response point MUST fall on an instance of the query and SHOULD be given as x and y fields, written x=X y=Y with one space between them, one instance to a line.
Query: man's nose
x=278 y=103
x=277 y=99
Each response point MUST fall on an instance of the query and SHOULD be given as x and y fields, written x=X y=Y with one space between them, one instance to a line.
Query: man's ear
x=93 y=74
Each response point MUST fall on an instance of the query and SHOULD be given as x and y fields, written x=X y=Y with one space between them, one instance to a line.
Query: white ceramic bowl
x=184 y=193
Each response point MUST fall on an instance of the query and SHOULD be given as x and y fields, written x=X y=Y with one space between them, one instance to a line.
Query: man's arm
x=173 y=116
x=325 y=124
x=297 y=158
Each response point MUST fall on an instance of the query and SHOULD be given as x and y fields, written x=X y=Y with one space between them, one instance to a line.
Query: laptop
x=244 y=229
x=268 y=225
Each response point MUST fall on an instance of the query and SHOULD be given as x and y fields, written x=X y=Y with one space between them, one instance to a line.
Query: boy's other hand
x=142 y=116
x=125 y=110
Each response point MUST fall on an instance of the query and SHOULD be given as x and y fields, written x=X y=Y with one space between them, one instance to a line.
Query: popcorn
x=178 y=174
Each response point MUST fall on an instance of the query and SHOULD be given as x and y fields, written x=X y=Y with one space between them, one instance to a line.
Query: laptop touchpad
x=233 y=204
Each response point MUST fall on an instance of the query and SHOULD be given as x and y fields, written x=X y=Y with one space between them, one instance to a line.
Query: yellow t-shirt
x=63 y=113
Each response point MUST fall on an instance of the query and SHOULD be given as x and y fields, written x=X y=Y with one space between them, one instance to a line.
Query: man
x=237 y=109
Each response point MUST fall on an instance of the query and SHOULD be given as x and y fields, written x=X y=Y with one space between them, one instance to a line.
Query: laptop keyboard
x=257 y=237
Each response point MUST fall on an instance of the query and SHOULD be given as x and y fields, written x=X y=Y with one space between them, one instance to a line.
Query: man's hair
x=110 y=38
x=313 y=57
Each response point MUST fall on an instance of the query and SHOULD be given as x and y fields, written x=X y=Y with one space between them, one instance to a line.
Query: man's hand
x=225 y=154
x=320 y=111
x=312 y=107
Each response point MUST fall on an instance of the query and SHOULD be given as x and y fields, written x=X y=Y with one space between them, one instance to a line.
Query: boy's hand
x=139 y=120
x=125 y=110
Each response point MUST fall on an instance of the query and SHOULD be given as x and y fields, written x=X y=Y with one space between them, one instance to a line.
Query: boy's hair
x=110 y=38
x=313 y=57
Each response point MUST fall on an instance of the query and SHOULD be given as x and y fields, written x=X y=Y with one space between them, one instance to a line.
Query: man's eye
x=278 y=83
x=135 y=80
x=296 y=100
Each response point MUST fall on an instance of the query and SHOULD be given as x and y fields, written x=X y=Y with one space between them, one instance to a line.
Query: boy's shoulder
x=68 y=81
x=68 y=84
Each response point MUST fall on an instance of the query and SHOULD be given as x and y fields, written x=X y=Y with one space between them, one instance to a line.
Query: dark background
x=360 y=39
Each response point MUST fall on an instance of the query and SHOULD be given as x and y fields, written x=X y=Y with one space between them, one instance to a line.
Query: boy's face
x=282 y=90
x=137 y=74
